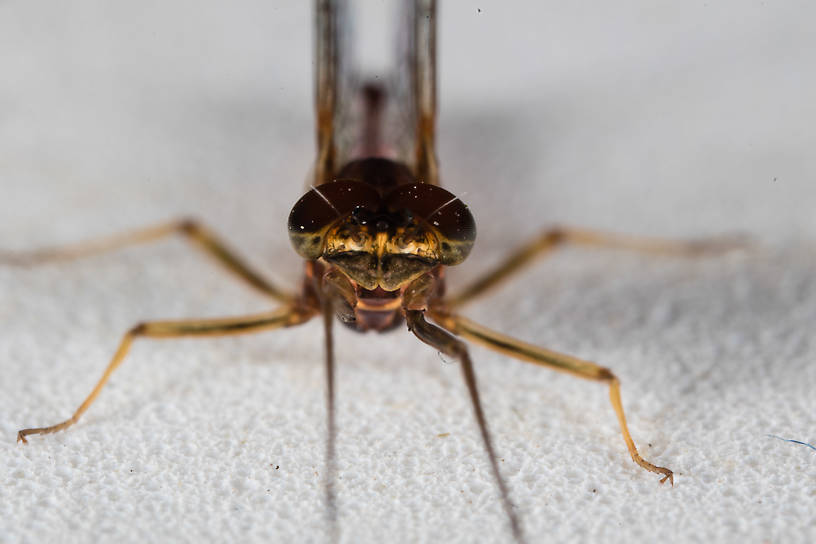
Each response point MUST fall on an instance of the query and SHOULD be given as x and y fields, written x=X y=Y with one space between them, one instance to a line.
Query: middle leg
x=286 y=317
x=557 y=361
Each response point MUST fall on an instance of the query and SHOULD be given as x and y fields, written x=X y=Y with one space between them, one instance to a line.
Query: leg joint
x=606 y=375
x=138 y=329
x=189 y=225
x=555 y=235
x=457 y=348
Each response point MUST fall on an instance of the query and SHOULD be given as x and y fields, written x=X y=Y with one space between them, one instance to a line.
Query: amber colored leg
x=551 y=359
x=286 y=317
x=551 y=239
x=446 y=343
x=193 y=231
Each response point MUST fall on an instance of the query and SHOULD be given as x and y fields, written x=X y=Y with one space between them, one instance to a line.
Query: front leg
x=446 y=343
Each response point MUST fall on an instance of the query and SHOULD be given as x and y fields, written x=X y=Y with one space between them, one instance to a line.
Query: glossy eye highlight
x=321 y=208
x=448 y=217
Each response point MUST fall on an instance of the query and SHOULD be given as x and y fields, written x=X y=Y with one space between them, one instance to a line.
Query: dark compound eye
x=322 y=207
x=450 y=217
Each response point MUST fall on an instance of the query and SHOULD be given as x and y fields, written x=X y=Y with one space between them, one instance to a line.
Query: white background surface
x=671 y=119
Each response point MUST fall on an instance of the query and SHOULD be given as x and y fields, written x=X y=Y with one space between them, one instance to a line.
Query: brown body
x=410 y=228
x=375 y=309
x=363 y=308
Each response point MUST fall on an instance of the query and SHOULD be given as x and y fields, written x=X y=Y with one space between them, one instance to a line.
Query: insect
x=377 y=230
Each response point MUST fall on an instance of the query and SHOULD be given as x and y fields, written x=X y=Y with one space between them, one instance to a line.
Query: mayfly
x=376 y=230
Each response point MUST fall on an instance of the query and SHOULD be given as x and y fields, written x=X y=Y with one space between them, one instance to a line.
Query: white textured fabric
x=672 y=119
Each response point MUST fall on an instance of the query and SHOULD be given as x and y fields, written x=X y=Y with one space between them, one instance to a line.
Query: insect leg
x=193 y=231
x=285 y=317
x=554 y=238
x=446 y=343
x=557 y=361
x=327 y=303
